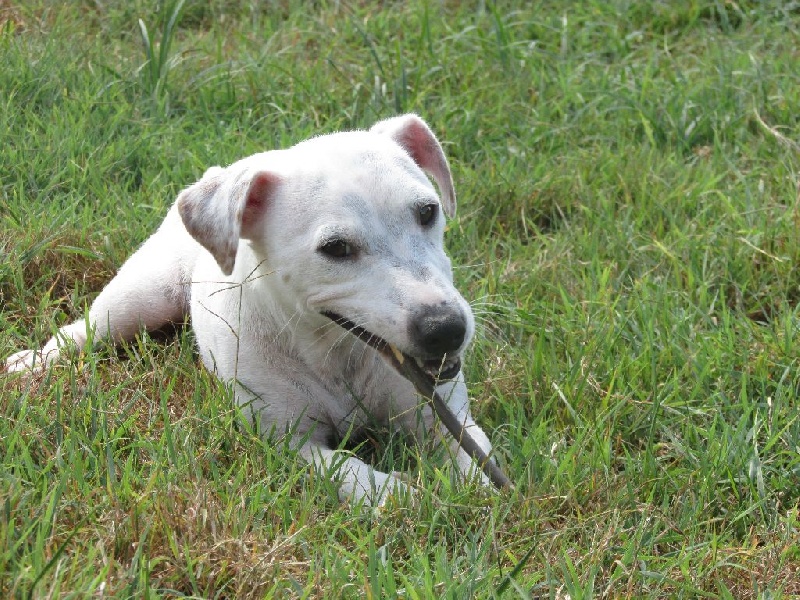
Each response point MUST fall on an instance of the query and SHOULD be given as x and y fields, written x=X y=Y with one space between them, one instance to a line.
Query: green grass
x=627 y=231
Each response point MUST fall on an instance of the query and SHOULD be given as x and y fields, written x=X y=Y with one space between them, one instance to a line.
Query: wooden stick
x=426 y=387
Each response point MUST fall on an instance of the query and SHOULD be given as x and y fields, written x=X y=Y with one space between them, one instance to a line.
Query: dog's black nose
x=438 y=330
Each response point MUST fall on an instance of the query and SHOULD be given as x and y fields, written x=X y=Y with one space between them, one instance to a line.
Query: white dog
x=263 y=254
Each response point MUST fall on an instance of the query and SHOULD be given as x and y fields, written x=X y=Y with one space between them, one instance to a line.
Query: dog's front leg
x=455 y=395
x=148 y=292
x=358 y=482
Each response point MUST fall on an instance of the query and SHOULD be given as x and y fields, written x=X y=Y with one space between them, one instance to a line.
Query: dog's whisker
x=343 y=335
x=484 y=298
x=322 y=329
x=288 y=322
x=335 y=346
x=491 y=308
x=477 y=265
x=359 y=324
x=364 y=348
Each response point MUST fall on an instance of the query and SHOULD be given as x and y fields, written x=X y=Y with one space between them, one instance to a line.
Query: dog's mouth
x=439 y=369
x=443 y=369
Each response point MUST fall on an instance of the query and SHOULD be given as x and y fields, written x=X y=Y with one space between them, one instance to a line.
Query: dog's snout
x=438 y=330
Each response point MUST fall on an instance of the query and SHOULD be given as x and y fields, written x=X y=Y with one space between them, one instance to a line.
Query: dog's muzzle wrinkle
x=438 y=330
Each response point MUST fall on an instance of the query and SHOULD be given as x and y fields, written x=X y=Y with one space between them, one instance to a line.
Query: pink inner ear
x=419 y=142
x=261 y=189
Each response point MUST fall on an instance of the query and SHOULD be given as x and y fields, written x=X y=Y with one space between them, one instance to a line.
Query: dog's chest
x=360 y=391
x=366 y=383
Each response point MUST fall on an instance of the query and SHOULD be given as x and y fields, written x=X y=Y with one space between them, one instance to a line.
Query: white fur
x=240 y=252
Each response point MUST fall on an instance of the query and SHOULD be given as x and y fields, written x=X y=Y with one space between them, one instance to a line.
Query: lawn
x=627 y=234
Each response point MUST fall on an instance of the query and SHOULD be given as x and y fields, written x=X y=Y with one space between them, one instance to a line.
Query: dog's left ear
x=416 y=138
x=225 y=206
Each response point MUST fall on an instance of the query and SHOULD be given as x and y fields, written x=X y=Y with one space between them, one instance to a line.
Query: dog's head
x=352 y=230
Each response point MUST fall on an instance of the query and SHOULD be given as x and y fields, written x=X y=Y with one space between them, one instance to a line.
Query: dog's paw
x=25 y=361
x=393 y=490
x=20 y=361
x=470 y=473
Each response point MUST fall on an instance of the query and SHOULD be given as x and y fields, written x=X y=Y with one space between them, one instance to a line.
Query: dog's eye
x=337 y=248
x=427 y=214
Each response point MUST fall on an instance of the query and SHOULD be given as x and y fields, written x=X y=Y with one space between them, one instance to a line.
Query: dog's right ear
x=224 y=207
x=416 y=138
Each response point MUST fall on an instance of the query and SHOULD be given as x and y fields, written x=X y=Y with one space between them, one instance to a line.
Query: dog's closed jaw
x=440 y=368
